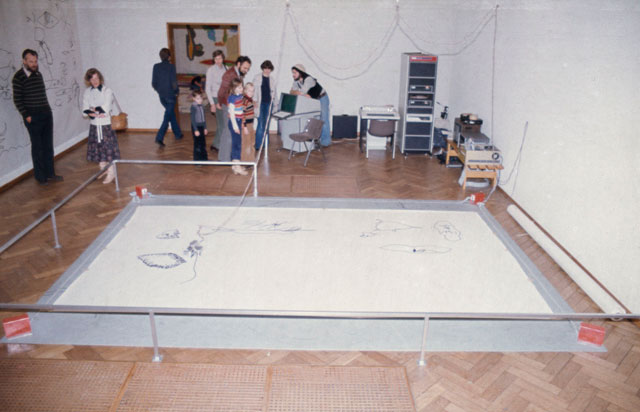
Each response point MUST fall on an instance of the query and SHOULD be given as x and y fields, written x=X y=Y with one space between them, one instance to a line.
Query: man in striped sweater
x=30 y=98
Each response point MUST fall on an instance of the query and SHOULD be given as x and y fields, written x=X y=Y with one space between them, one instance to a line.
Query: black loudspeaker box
x=345 y=126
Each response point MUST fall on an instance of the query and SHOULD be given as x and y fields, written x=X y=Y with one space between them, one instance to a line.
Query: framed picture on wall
x=192 y=46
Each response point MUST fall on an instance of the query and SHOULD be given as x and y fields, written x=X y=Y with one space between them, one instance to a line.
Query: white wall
x=344 y=38
x=570 y=69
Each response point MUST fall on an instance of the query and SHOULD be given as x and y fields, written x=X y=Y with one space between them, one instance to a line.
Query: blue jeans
x=325 y=137
x=236 y=140
x=262 y=123
x=169 y=117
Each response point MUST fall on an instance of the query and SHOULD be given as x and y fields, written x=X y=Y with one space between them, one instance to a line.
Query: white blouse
x=98 y=96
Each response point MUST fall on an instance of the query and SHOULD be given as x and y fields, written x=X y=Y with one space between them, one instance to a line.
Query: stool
x=452 y=151
x=481 y=171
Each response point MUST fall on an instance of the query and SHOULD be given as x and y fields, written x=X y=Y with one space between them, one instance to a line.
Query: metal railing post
x=154 y=335
x=255 y=180
x=115 y=172
x=55 y=229
x=422 y=362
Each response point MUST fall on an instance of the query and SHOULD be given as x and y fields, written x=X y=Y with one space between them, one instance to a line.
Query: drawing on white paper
x=256 y=227
x=169 y=234
x=388 y=226
x=162 y=260
x=196 y=247
x=448 y=231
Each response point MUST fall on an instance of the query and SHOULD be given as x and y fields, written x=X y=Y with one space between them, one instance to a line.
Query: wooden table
x=475 y=170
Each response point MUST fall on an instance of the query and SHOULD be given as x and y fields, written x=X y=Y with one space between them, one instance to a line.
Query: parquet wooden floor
x=450 y=382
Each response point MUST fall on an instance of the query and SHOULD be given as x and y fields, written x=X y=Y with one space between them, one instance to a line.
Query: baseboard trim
x=132 y=130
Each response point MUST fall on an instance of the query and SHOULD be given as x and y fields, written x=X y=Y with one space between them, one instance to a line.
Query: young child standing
x=198 y=127
x=236 y=111
x=248 y=132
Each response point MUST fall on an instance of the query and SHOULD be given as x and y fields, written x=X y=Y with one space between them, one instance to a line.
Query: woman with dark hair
x=307 y=86
x=102 y=146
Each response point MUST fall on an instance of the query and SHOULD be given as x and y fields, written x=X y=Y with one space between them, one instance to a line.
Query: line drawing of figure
x=2 y=138
x=7 y=68
x=48 y=20
x=447 y=230
x=6 y=149
x=169 y=234
x=196 y=247
x=257 y=227
x=388 y=226
x=194 y=251
x=68 y=94
x=39 y=36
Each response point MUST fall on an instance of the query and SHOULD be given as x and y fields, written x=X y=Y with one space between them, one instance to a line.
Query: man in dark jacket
x=30 y=98
x=165 y=82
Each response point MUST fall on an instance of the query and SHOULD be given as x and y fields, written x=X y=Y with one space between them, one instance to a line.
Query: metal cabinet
x=418 y=73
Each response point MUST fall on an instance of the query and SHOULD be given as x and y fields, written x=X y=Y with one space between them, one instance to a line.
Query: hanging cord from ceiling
x=376 y=53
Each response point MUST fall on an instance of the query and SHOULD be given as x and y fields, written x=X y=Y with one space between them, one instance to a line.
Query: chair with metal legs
x=310 y=134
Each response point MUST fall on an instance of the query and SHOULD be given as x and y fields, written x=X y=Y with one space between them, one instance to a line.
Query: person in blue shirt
x=165 y=83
